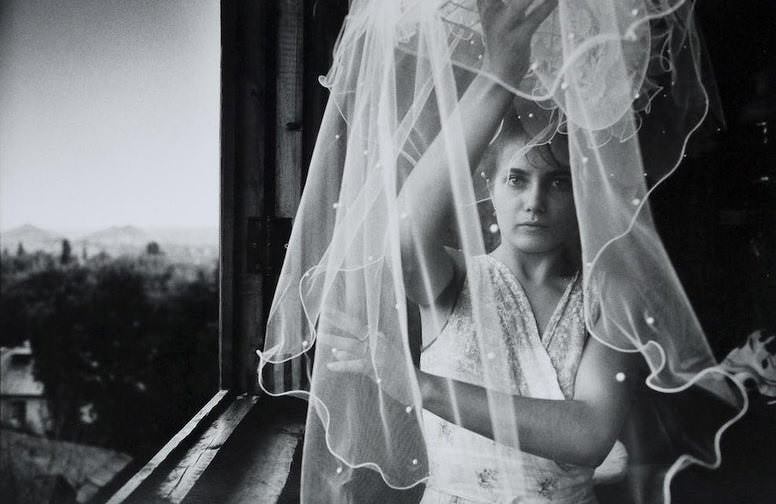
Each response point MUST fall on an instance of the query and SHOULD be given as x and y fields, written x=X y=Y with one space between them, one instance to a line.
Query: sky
x=109 y=113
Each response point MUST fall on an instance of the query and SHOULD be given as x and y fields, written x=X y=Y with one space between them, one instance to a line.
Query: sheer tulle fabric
x=621 y=79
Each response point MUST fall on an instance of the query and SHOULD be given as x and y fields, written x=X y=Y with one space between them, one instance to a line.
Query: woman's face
x=534 y=202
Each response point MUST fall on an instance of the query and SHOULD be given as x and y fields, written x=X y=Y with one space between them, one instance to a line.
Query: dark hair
x=511 y=131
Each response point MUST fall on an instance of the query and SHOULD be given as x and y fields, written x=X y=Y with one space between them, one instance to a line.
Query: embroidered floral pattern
x=547 y=487
x=445 y=431
x=528 y=363
x=487 y=478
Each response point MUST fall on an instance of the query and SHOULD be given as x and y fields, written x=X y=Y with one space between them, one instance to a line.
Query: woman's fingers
x=344 y=355
x=344 y=343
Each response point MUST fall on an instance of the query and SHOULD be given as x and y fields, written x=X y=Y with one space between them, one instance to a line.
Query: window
x=109 y=219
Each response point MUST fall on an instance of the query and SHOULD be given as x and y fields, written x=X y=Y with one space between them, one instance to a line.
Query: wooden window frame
x=267 y=74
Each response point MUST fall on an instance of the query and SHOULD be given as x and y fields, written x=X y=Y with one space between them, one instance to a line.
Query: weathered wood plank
x=168 y=452
x=264 y=481
x=289 y=84
x=271 y=477
x=193 y=464
x=255 y=464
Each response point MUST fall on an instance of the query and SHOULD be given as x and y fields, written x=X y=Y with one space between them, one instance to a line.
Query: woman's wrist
x=487 y=86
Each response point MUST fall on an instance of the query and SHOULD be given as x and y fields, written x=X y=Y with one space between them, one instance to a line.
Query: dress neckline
x=544 y=335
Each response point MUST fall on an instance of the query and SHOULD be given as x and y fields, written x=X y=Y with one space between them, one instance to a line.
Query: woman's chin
x=534 y=245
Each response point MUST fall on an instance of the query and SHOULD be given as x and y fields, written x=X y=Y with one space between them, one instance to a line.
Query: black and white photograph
x=387 y=251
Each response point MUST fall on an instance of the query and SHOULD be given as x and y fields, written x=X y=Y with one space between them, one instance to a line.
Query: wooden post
x=288 y=174
x=229 y=66
x=247 y=128
x=289 y=121
x=266 y=141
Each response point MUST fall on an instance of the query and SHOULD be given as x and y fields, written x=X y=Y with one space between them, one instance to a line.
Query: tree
x=153 y=248
x=20 y=250
x=111 y=334
x=66 y=255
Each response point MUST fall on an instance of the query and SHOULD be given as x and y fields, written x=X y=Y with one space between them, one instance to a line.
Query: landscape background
x=196 y=245
x=109 y=211
x=109 y=344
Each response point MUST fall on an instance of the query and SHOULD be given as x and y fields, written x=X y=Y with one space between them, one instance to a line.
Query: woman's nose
x=534 y=198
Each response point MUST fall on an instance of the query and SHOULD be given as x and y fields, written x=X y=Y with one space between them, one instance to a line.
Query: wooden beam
x=289 y=83
x=227 y=252
x=248 y=33
x=254 y=181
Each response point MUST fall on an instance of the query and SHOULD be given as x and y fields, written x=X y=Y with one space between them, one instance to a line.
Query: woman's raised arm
x=426 y=196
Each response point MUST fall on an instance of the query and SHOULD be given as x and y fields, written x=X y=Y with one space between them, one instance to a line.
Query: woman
x=513 y=399
x=574 y=417
x=567 y=393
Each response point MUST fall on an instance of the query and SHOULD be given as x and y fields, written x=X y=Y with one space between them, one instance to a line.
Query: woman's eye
x=562 y=183
x=515 y=180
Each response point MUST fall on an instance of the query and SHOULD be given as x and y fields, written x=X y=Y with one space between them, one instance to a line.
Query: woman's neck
x=536 y=268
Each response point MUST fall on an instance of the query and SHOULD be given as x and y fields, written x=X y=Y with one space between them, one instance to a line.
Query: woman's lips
x=532 y=227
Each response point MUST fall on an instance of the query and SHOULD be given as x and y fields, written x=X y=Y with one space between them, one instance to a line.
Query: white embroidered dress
x=466 y=467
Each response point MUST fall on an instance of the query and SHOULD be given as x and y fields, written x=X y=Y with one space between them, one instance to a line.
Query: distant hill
x=190 y=245
x=185 y=236
x=117 y=236
x=33 y=238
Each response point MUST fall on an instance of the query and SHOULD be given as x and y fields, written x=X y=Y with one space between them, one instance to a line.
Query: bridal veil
x=623 y=80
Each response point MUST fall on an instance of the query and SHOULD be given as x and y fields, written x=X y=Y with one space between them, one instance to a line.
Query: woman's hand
x=507 y=29
x=370 y=353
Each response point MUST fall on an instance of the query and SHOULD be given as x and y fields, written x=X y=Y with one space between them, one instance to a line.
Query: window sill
x=231 y=451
